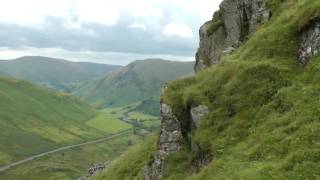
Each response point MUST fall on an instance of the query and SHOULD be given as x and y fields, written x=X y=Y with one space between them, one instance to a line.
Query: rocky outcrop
x=228 y=29
x=198 y=113
x=202 y=158
x=310 y=41
x=94 y=169
x=170 y=141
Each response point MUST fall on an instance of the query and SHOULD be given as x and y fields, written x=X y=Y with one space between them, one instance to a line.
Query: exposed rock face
x=310 y=41
x=202 y=158
x=230 y=27
x=170 y=141
x=95 y=168
x=198 y=113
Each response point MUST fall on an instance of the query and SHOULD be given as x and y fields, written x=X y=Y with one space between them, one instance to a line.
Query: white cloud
x=177 y=29
x=137 y=25
x=65 y=23
x=31 y=11
x=97 y=11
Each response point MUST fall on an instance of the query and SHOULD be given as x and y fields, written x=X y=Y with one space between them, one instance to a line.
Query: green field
x=108 y=123
x=137 y=119
x=72 y=163
x=34 y=120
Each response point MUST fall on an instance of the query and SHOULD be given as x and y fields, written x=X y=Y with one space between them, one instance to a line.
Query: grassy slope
x=33 y=120
x=71 y=163
x=264 y=120
x=54 y=73
x=138 y=81
x=128 y=166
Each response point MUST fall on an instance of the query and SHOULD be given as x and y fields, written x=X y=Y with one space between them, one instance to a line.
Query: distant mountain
x=53 y=73
x=34 y=119
x=139 y=81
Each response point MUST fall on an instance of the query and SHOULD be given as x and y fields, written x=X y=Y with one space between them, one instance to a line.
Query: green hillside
x=53 y=73
x=34 y=120
x=139 y=81
x=264 y=120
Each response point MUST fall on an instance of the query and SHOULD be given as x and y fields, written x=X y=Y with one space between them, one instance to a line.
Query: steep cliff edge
x=252 y=110
x=230 y=27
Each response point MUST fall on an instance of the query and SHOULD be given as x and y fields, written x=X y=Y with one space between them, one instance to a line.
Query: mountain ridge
x=53 y=73
x=138 y=81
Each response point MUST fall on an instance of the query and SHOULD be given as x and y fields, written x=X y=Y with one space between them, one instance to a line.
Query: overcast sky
x=105 y=31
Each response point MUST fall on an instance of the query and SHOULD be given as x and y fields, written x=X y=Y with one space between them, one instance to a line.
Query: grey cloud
x=96 y=37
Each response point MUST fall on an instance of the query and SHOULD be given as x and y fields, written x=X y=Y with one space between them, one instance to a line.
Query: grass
x=128 y=166
x=264 y=107
x=108 y=123
x=34 y=119
x=72 y=163
x=138 y=119
x=140 y=116
x=216 y=23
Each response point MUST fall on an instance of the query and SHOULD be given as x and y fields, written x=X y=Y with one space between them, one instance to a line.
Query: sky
x=103 y=31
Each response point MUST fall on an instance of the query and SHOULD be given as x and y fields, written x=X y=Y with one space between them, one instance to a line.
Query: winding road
x=6 y=167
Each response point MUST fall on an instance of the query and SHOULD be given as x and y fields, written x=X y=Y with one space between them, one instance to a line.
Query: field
x=108 y=123
x=135 y=118
x=72 y=163
x=35 y=120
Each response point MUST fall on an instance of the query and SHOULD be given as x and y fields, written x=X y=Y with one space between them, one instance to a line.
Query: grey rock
x=202 y=159
x=198 y=113
x=165 y=109
x=310 y=41
x=95 y=168
x=230 y=27
x=228 y=50
x=170 y=141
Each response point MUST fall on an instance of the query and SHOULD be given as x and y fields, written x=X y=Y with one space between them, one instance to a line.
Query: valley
x=121 y=127
x=239 y=98
x=45 y=132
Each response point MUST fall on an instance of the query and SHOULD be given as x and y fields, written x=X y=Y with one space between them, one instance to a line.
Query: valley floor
x=122 y=127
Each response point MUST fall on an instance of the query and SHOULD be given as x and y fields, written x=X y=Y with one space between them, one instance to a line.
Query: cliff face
x=252 y=115
x=229 y=28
